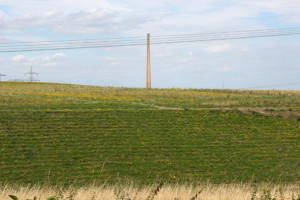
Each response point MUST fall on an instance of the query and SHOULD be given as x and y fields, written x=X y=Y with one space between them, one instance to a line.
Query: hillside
x=80 y=134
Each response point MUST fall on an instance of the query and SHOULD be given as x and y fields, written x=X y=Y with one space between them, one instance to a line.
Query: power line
x=138 y=41
x=232 y=32
x=140 y=44
x=157 y=36
x=25 y=0
x=70 y=41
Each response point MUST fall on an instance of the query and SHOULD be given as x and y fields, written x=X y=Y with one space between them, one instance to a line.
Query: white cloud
x=81 y=22
x=114 y=64
x=185 y=60
x=223 y=69
x=59 y=56
x=218 y=48
x=109 y=58
x=245 y=49
x=101 y=16
x=19 y=58
x=55 y=57
x=53 y=60
x=163 y=52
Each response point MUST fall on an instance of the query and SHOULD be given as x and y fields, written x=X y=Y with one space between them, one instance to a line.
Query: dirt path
x=167 y=108
x=286 y=114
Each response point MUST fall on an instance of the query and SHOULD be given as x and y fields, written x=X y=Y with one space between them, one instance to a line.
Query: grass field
x=71 y=134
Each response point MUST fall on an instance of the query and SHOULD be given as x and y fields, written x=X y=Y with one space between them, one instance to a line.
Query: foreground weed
x=253 y=191
x=295 y=198
x=155 y=191
x=60 y=193
x=13 y=197
x=196 y=195
x=94 y=196
x=121 y=194
x=72 y=194
x=266 y=195
x=34 y=198
x=281 y=193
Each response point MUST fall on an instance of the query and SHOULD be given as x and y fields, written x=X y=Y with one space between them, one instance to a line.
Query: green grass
x=79 y=134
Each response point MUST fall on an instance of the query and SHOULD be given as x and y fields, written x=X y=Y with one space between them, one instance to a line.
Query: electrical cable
x=157 y=36
x=137 y=41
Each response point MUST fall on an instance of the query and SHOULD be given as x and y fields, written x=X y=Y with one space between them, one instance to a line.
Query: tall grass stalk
x=166 y=192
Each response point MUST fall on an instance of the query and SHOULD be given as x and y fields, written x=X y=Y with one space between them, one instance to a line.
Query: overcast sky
x=245 y=63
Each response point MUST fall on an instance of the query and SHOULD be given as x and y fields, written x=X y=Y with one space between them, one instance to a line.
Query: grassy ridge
x=60 y=96
x=70 y=133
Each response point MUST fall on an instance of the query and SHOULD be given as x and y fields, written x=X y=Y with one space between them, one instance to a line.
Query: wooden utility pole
x=148 y=62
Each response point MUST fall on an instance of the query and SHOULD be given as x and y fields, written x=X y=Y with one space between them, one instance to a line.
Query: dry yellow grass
x=177 y=192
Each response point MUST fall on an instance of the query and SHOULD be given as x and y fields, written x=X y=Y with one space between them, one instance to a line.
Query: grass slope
x=70 y=133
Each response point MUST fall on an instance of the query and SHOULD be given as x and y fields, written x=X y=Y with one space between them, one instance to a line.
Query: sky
x=257 y=63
